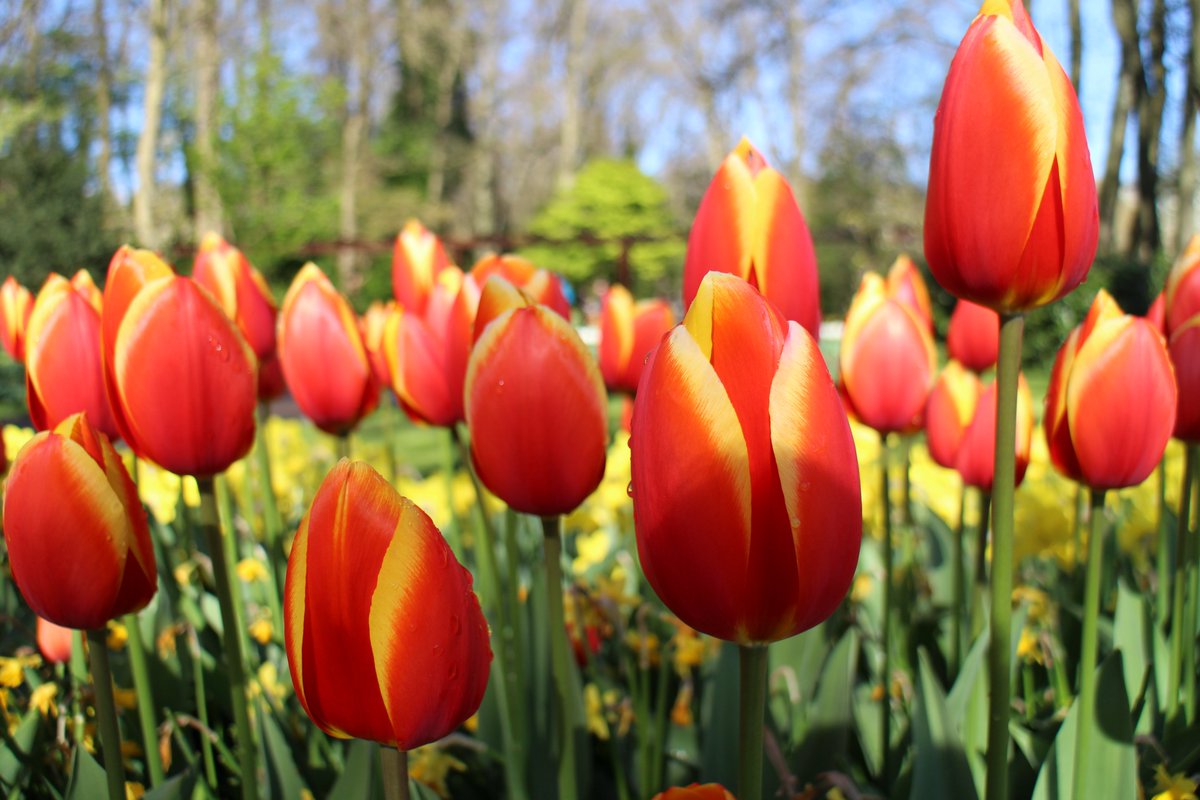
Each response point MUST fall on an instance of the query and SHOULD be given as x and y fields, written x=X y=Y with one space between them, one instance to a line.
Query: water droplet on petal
x=455 y=624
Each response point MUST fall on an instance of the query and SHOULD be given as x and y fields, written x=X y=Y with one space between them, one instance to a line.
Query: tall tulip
x=904 y=282
x=744 y=477
x=54 y=641
x=322 y=354
x=240 y=290
x=372 y=325
x=973 y=338
x=1157 y=312
x=629 y=330
x=951 y=407
x=63 y=371
x=975 y=460
x=16 y=304
x=417 y=258
x=82 y=283
x=749 y=225
x=1185 y=355
x=385 y=637
x=1182 y=294
x=543 y=286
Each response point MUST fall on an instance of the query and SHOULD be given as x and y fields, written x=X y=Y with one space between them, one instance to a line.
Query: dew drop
x=452 y=673
x=629 y=489
x=437 y=649
x=456 y=624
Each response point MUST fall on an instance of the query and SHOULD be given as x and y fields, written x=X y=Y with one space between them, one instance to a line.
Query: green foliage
x=611 y=200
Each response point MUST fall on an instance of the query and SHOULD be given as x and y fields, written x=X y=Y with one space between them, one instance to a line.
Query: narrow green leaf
x=940 y=767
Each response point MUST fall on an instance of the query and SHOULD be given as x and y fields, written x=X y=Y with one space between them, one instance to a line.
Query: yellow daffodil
x=593 y=705
x=261 y=630
x=117 y=637
x=431 y=765
x=1172 y=787
x=42 y=699
x=251 y=570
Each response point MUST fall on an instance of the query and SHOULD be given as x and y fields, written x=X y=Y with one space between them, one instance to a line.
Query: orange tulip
x=54 y=641
x=975 y=460
x=322 y=354
x=536 y=408
x=385 y=637
x=1185 y=355
x=887 y=359
x=949 y=412
x=1157 y=313
x=904 y=282
x=1011 y=220
x=185 y=380
x=748 y=224
x=745 y=482
x=240 y=290
x=417 y=259
x=1182 y=294
x=973 y=337
x=697 y=791
x=63 y=372
x=78 y=541
x=543 y=286
x=628 y=332
x=16 y=304
x=371 y=326
x=1111 y=403
x=82 y=282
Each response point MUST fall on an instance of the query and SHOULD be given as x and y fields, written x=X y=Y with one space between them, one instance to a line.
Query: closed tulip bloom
x=1112 y=399
x=63 y=371
x=82 y=282
x=385 y=637
x=16 y=304
x=949 y=412
x=1157 y=313
x=323 y=356
x=1185 y=355
x=54 y=641
x=749 y=225
x=536 y=409
x=542 y=285
x=371 y=326
x=975 y=460
x=745 y=481
x=186 y=381
x=629 y=330
x=887 y=359
x=973 y=338
x=1182 y=294
x=240 y=290
x=78 y=542
x=1011 y=220
x=417 y=258
x=904 y=282
x=697 y=791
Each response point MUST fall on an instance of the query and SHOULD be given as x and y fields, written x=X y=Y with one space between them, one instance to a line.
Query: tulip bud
x=697 y=791
x=904 y=282
x=385 y=637
x=535 y=407
x=78 y=542
x=628 y=332
x=418 y=257
x=951 y=407
x=1185 y=355
x=322 y=354
x=749 y=225
x=82 y=283
x=16 y=304
x=63 y=371
x=1011 y=220
x=1157 y=313
x=1112 y=399
x=54 y=641
x=1182 y=294
x=745 y=481
x=240 y=290
x=973 y=338
x=543 y=286
x=975 y=460
x=371 y=326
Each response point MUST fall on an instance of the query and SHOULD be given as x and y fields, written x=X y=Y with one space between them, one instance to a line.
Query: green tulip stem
x=885 y=710
x=234 y=663
x=906 y=517
x=958 y=606
x=394 y=764
x=981 y=537
x=1077 y=527
x=106 y=713
x=1183 y=549
x=201 y=694
x=560 y=656
x=1162 y=602
x=1192 y=453
x=1008 y=371
x=752 y=686
x=79 y=676
x=145 y=699
x=1087 y=656
x=272 y=521
x=343 y=446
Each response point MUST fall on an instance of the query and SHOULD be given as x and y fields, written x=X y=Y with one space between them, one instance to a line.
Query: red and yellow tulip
x=1112 y=399
x=949 y=412
x=240 y=290
x=418 y=257
x=1011 y=220
x=385 y=637
x=542 y=285
x=535 y=406
x=78 y=541
x=54 y=641
x=1185 y=355
x=1181 y=298
x=322 y=354
x=371 y=326
x=973 y=338
x=976 y=456
x=697 y=791
x=16 y=304
x=904 y=282
x=744 y=471
x=629 y=330
x=749 y=225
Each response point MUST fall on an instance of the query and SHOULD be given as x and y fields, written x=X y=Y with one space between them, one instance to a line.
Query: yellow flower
x=14 y=439
x=251 y=570
x=1028 y=648
x=268 y=680
x=134 y=791
x=12 y=670
x=472 y=723
x=1172 y=787
x=42 y=699
x=125 y=698
x=262 y=631
x=690 y=650
x=431 y=765
x=1037 y=602
x=117 y=635
x=593 y=548
x=165 y=643
x=183 y=573
x=860 y=590
x=594 y=711
x=681 y=712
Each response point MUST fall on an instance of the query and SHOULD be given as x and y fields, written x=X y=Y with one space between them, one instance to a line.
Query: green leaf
x=719 y=720
x=831 y=718
x=359 y=779
x=283 y=778
x=967 y=702
x=1111 y=760
x=1131 y=635
x=181 y=786
x=88 y=778
x=11 y=764
x=940 y=766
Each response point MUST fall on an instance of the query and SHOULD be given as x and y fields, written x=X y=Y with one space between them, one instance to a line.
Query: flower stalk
x=1087 y=655
x=106 y=713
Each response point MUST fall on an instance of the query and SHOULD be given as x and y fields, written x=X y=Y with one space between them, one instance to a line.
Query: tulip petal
x=416 y=361
x=722 y=234
x=785 y=263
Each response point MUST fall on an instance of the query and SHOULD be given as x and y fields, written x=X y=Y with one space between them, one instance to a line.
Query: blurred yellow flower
x=1172 y=787
x=431 y=765
x=594 y=711
x=681 y=711
x=251 y=570
x=261 y=630
x=125 y=698
x=117 y=636
x=1035 y=600
x=42 y=699
x=1029 y=649
x=134 y=791
x=12 y=670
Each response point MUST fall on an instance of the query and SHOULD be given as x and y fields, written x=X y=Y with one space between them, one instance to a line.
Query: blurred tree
x=152 y=107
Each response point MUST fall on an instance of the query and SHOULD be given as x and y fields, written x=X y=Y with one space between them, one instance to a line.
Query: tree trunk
x=452 y=31
x=147 y=146
x=797 y=85
x=1151 y=100
x=354 y=130
x=103 y=107
x=1076 y=23
x=1185 y=226
x=208 y=201
x=572 y=92
x=1124 y=14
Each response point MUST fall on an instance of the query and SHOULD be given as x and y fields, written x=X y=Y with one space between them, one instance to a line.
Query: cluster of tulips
x=745 y=480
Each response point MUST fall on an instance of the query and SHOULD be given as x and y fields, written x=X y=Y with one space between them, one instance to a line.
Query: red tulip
x=1157 y=313
x=975 y=460
x=78 y=541
x=1011 y=220
x=185 y=380
x=1182 y=295
x=973 y=338
x=536 y=409
x=1111 y=403
x=371 y=326
x=697 y=791
x=240 y=290
x=745 y=482
x=54 y=641
x=748 y=224
x=16 y=304
x=887 y=359
x=385 y=637
x=322 y=354
x=949 y=412
x=543 y=286
x=628 y=332
x=1185 y=355
x=417 y=259
x=82 y=282
x=904 y=282
x=63 y=373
